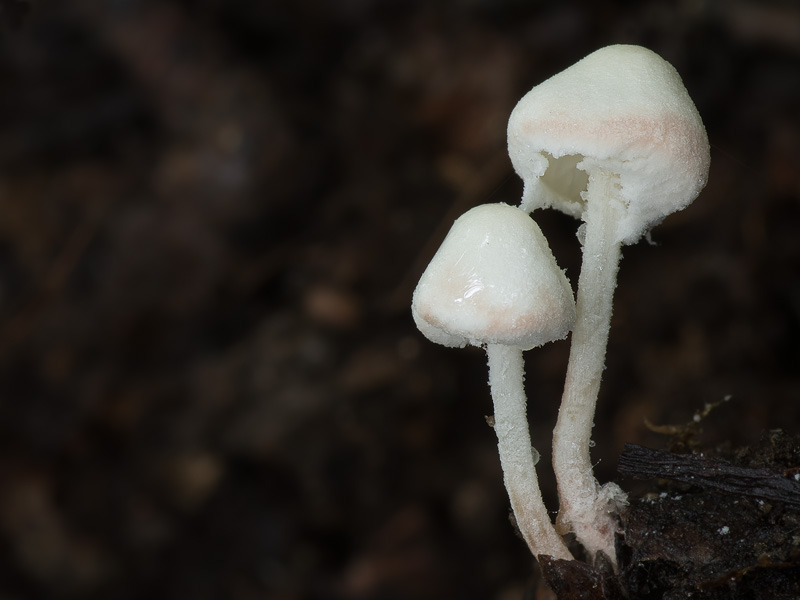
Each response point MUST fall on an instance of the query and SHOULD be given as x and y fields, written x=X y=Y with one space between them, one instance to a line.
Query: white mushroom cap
x=623 y=109
x=494 y=281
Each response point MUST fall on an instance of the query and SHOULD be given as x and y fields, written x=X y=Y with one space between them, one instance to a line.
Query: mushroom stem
x=517 y=456
x=586 y=508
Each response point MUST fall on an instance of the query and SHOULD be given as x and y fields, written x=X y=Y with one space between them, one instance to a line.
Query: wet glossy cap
x=494 y=280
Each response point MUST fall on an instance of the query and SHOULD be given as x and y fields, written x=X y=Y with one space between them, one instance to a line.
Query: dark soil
x=212 y=217
x=721 y=524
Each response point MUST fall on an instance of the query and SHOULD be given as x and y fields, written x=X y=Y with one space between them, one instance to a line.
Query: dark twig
x=760 y=483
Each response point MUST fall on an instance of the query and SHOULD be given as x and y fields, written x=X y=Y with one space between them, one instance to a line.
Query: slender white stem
x=586 y=508
x=506 y=379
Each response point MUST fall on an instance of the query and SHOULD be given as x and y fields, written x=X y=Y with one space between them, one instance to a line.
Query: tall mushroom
x=494 y=283
x=615 y=140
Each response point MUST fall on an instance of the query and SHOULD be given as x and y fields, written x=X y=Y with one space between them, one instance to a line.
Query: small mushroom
x=494 y=283
x=615 y=140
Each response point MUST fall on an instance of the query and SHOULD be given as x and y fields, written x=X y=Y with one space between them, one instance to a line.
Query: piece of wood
x=766 y=484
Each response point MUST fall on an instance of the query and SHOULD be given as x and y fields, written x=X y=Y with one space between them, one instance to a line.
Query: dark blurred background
x=212 y=217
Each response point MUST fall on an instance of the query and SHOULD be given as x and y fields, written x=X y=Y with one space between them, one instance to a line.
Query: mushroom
x=615 y=140
x=494 y=283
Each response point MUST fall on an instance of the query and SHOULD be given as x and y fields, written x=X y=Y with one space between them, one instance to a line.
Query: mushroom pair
x=616 y=141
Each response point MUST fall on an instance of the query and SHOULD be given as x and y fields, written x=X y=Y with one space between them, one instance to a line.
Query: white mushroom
x=494 y=283
x=615 y=140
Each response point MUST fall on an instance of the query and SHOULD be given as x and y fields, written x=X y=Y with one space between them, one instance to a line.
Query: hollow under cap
x=624 y=109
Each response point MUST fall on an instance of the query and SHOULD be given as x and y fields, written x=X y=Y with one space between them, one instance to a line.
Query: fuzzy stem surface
x=506 y=379
x=586 y=508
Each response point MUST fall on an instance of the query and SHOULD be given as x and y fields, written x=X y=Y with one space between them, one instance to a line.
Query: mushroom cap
x=494 y=281
x=624 y=109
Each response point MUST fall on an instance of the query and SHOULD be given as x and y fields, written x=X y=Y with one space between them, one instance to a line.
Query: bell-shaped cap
x=494 y=280
x=623 y=109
